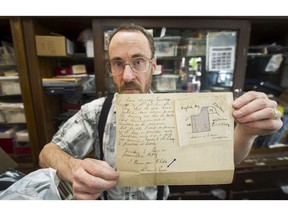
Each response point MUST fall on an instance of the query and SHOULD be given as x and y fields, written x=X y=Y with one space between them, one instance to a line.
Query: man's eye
x=118 y=64
x=137 y=61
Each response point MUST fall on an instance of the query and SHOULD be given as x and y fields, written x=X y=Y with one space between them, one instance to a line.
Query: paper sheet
x=174 y=139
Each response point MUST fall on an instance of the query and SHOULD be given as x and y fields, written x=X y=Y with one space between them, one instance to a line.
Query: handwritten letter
x=163 y=139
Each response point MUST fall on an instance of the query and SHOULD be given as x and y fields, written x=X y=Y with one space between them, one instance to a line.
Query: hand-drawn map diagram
x=203 y=120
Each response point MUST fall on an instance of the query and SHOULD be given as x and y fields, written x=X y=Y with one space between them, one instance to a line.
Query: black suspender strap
x=101 y=126
x=102 y=121
x=160 y=192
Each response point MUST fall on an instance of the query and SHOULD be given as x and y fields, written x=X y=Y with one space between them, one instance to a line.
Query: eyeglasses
x=137 y=65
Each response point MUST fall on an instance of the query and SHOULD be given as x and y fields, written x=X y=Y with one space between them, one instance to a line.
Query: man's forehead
x=128 y=34
x=129 y=41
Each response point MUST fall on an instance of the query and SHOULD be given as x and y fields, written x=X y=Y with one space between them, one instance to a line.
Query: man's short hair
x=134 y=27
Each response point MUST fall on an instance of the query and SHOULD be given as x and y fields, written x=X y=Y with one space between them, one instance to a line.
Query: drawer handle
x=249 y=181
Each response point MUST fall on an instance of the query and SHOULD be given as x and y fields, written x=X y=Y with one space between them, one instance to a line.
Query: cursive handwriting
x=145 y=123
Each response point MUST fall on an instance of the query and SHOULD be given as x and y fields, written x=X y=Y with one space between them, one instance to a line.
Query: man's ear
x=154 y=63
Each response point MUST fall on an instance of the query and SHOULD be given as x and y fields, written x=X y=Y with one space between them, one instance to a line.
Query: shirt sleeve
x=78 y=134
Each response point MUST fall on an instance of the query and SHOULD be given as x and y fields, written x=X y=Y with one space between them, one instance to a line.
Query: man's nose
x=128 y=73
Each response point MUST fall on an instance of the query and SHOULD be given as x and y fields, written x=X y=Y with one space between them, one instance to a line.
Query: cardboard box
x=53 y=46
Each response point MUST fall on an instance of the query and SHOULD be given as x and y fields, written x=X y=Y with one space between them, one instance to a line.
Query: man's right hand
x=91 y=177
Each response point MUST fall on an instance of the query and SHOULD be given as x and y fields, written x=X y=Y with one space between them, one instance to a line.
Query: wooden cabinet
x=11 y=28
x=49 y=106
x=263 y=175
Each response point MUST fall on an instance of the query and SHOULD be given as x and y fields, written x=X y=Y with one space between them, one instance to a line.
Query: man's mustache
x=130 y=85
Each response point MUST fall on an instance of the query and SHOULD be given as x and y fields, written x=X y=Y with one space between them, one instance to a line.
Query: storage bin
x=165 y=83
x=195 y=47
x=166 y=46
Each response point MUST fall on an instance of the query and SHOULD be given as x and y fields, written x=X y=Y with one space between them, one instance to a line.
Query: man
x=132 y=62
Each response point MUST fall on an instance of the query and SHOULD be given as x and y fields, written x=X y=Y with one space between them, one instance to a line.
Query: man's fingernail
x=237 y=113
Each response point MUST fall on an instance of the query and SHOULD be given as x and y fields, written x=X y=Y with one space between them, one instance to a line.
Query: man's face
x=124 y=46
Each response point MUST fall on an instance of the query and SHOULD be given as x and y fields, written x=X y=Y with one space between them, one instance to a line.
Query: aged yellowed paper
x=174 y=139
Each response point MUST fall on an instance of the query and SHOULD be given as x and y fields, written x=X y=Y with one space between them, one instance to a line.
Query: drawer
x=260 y=178
x=260 y=194
x=198 y=192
